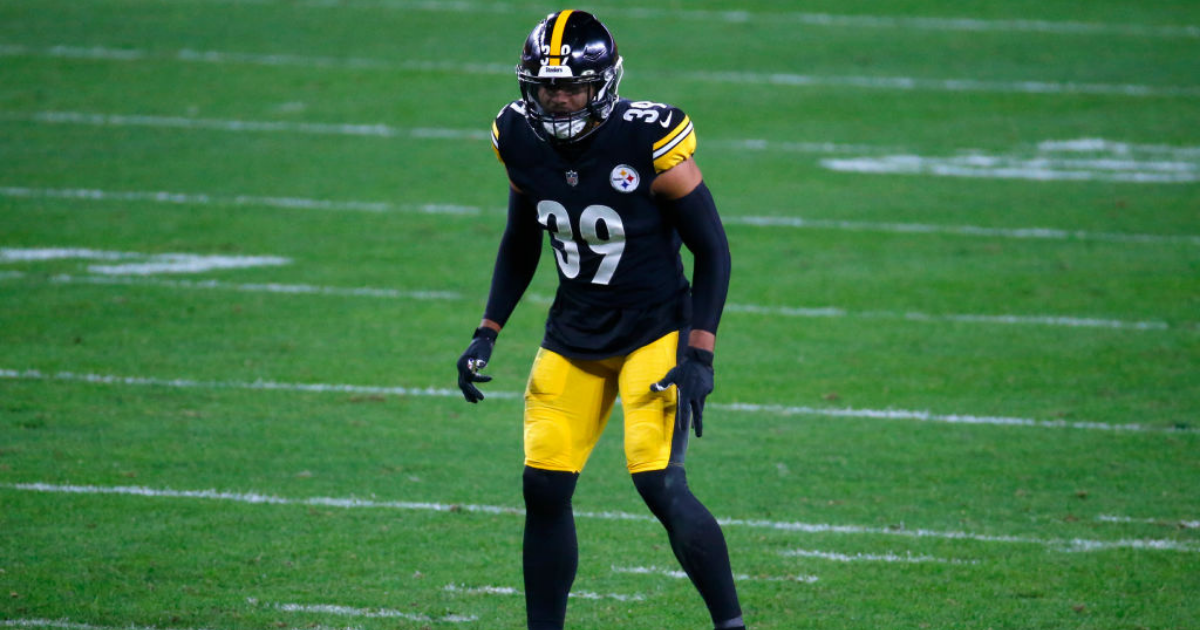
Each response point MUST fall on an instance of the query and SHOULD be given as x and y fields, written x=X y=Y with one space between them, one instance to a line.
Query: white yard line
x=753 y=309
x=137 y=263
x=680 y=575
x=371 y=613
x=285 y=289
x=1180 y=523
x=1036 y=169
x=206 y=199
x=313 y=388
x=783 y=410
x=67 y=624
x=906 y=558
x=510 y=591
x=1033 y=320
x=303 y=203
x=1061 y=545
x=242 y=126
x=1107 y=162
x=782 y=79
x=925 y=416
x=1034 y=233
x=845 y=21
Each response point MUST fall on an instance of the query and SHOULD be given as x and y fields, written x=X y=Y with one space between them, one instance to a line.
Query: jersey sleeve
x=677 y=144
x=502 y=125
x=496 y=141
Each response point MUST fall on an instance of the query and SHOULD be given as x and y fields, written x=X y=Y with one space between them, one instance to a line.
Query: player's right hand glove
x=693 y=377
x=473 y=360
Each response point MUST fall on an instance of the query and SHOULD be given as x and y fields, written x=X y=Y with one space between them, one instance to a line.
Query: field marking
x=508 y=590
x=680 y=575
x=1034 y=320
x=753 y=309
x=783 y=311
x=1036 y=169
x=284 y=289
x=1173 y=522
x=952 y=24
x=907 y=558
x=67 y=624
x=312 y=388
x=370 y=613
x=1034 y=233
x=779 y=410
x=1116 y=162
x=1101 y=145
x=1121 y=162
x=302 y=203
x=1083 y=160
x=139 y=264
x=1054 y=544
x=782 y=79
x=206 y=199
x=926 y=416
x=242 y=126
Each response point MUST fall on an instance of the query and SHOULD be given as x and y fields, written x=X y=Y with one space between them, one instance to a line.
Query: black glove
x=474 y=359
x=694 y=378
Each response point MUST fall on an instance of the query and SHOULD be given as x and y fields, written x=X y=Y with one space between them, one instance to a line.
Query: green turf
x=1080 y=512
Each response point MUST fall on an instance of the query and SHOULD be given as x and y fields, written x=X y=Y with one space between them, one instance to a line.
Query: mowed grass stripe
x=255 y=498
x=742 y=407
x=292 y=202
x=1035 y=168
x=821 y=312
x=779 y=79
x=741 y=16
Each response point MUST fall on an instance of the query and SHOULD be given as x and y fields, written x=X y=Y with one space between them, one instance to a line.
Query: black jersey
x=621 y=280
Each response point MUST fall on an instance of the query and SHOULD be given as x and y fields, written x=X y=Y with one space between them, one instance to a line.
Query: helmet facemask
x=561 y=126
x=569 y=50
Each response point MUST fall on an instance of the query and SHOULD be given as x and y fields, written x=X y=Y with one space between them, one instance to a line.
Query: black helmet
x=569 y=48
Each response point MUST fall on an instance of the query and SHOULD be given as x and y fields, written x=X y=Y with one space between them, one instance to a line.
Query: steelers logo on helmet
x=572 y=53
x=625 y=179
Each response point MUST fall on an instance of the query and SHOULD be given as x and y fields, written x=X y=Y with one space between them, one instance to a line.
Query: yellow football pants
x=568 y=402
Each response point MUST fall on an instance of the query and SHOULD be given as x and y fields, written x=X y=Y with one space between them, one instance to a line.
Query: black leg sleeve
x=696 y=539
x=551 y=553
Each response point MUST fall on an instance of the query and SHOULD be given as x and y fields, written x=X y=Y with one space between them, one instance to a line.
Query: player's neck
x=572 y=151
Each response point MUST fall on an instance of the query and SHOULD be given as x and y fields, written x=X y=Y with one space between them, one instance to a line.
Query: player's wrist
x=699 y=355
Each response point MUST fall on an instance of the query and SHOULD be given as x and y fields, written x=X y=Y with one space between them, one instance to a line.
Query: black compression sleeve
x=696 y=220
x=517 y=260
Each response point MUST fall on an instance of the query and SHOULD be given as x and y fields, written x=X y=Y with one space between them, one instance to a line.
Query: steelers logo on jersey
x=625 y=179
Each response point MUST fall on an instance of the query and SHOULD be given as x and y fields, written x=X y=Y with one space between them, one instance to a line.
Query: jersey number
x=610 y=245
x=646 y=111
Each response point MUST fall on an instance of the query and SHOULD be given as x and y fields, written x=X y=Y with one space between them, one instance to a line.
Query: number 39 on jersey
x=601 y=233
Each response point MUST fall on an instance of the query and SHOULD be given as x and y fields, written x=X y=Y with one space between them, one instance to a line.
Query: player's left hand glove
x=474 y=359
x=694 y=378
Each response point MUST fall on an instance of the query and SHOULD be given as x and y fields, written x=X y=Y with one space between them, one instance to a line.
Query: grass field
x=242 y=244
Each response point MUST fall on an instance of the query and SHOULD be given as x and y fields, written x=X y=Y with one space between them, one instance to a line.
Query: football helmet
x=570 y=51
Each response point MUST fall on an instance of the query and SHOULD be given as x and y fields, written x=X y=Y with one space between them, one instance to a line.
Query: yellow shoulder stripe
x=675 y=147
x=684 y=124
x=496 y=141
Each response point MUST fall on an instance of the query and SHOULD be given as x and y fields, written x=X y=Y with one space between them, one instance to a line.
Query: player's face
x=564 y=98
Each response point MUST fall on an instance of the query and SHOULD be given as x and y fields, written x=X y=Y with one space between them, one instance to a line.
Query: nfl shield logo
x=572 y=178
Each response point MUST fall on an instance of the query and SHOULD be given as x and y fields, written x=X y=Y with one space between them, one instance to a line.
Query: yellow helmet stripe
x=560 y=25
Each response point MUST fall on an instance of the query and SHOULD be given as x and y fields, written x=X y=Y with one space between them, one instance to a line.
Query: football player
x=614 y=184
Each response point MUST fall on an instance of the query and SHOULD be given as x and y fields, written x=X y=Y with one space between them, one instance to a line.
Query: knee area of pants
x=547 y=489
x=662 y=488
